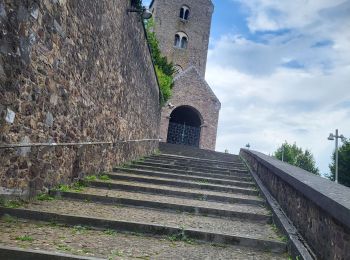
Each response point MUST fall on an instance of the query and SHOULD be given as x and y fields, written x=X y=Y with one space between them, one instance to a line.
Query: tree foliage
x=343 y=165
x=295 y=155
x=164 y=69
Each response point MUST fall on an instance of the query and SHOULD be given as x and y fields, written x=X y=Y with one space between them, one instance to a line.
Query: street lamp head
x=342 y=137
x=331 y=137
x=147 y=14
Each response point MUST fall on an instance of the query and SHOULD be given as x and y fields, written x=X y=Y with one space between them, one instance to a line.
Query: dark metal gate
x=183 y=134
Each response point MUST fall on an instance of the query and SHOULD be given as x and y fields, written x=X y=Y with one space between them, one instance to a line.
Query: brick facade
x=190 y=89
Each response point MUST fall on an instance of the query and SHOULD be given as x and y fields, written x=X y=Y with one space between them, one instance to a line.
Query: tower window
x=181 y=40
x=184 y=12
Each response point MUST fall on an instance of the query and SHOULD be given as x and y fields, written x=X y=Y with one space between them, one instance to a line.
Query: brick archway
x=185 y=126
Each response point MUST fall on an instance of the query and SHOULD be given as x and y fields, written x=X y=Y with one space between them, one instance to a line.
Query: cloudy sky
x=282 y=72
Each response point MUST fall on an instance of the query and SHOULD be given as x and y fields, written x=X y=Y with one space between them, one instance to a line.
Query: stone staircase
x=166 y=206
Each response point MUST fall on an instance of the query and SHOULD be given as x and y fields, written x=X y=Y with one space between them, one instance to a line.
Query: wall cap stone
x=333 y=198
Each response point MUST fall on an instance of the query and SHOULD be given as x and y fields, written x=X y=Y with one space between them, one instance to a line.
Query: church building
x=191 y=115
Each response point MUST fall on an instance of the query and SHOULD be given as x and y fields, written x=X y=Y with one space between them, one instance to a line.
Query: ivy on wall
x=164 y=69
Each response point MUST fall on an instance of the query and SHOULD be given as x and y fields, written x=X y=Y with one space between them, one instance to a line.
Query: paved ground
x=114 y=244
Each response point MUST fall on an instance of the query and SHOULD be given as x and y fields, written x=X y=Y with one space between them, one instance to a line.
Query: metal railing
x=22 y=145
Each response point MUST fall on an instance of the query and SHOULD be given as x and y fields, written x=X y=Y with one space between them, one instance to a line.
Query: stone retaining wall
x=318 y=208
x=72 y=71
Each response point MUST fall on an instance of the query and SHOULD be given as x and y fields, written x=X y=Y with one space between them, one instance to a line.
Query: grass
x=110 y=232
x=181 y=236
x=9 y=219
x=75 y=187
x=282 y=237
x=91 y=178
x=104 y=177
x=80 y=229
x=44 y=197
x=63 y=247
x=114 y=253
x=202 y=181
x=218 y=245
x=25 y=238
x=202 y=197
x=126 y=165
x=157 y=152
x=13 y=204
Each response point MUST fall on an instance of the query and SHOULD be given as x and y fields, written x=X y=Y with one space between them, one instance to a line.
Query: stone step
x=256 y=235
x=15 y=253
x=172 y=165
x=197 y=159
x=182 y=192
x=224 y=176
x=136 y=177
x=195 y=163
x=183 y=176
x=108 y=244
x=249 y=213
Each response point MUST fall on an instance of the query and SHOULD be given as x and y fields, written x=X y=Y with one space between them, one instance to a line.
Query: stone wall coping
x=331 y=197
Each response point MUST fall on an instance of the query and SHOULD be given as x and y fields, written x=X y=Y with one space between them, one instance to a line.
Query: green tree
x=343 y=165
x=295 y=155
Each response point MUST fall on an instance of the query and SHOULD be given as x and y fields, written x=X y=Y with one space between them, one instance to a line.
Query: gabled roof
x=205 y=84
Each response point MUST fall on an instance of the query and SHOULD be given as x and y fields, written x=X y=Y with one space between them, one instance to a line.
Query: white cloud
x=277 y=14
x=265 y=102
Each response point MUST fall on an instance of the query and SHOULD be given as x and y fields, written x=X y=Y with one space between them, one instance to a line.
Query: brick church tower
x=191 y=115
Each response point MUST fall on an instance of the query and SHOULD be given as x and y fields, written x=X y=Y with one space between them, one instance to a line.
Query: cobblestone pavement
x=113 y=245
x=144 y=215
x=197 y=191
x=190 y=202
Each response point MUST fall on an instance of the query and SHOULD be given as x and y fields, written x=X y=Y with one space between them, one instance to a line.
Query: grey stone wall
x=72 y=71
x=190 y=89
x=318 y=208
x=168 y=23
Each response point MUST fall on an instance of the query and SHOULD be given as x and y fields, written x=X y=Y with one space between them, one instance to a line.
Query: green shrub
x=164 y=69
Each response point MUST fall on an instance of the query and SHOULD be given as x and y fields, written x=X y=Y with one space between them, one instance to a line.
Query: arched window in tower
x=184 y=42
x=177 y=41
x=184 y=12
x=181 y=40
x=177 y=69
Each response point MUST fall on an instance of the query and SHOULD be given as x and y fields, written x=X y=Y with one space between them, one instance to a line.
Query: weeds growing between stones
x=25 y=238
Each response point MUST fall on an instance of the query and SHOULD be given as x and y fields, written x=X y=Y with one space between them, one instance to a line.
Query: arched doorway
x=184 y=126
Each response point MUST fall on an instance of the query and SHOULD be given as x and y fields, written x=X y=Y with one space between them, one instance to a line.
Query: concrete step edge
x=134 y=167
x=198 y=210
x=195 y=158
x=192 y=165
x=191 y=168
x=195 y=164
x=175 y=193
x=147 y=228
x=179 y=183
x=185 y=176
x=15 y=253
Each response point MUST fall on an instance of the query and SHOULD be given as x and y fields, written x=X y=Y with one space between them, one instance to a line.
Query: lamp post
x=145 y=13
x=335 y=137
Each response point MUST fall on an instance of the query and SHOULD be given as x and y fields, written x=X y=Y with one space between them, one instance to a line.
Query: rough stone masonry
x=72 y=71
